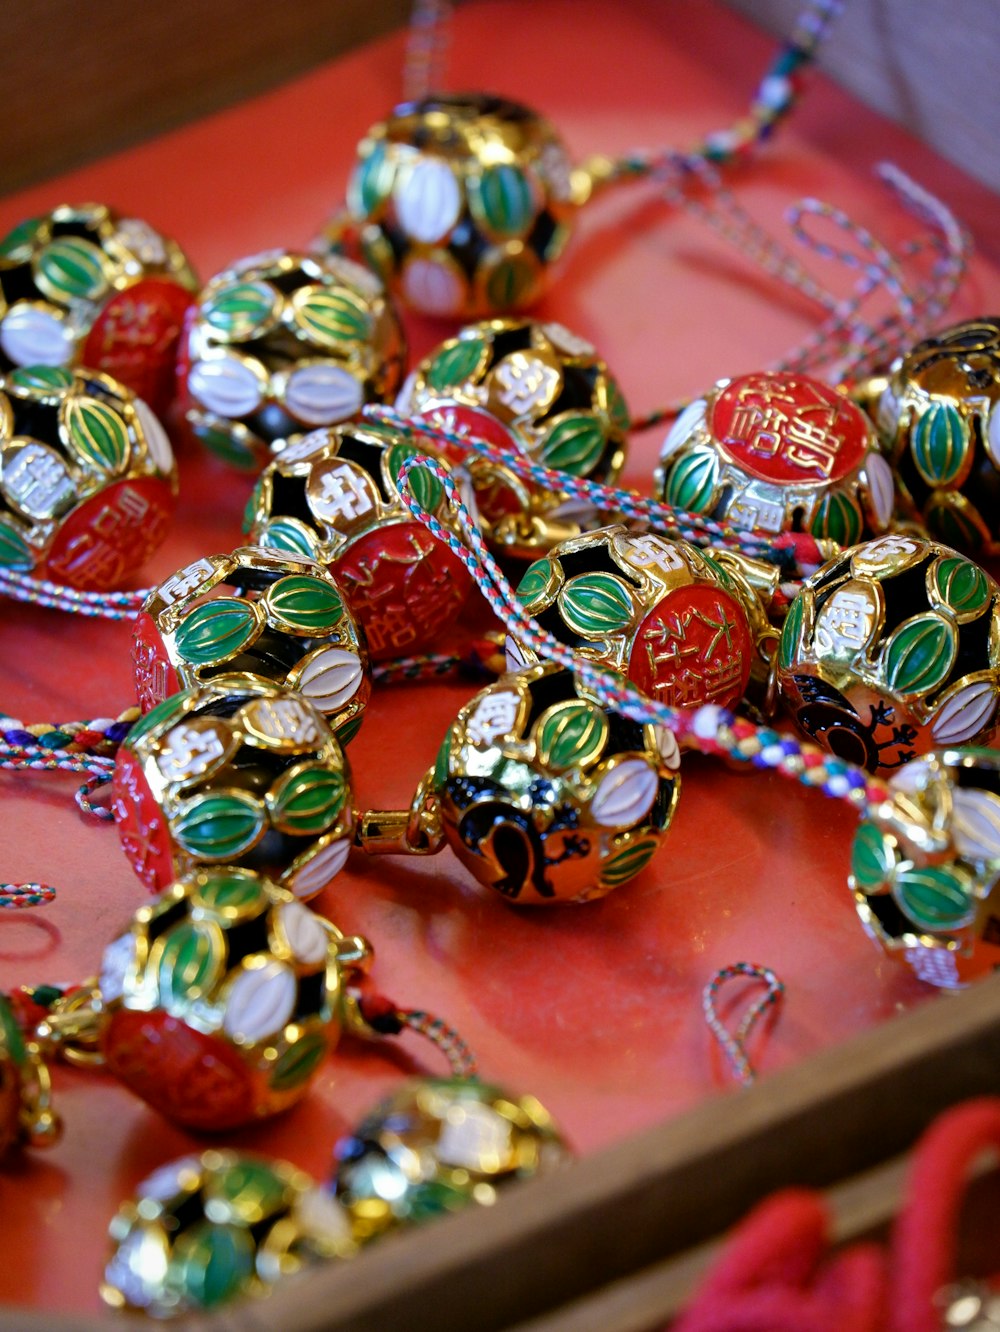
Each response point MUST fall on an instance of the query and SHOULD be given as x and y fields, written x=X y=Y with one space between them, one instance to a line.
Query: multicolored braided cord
x=733 y=1044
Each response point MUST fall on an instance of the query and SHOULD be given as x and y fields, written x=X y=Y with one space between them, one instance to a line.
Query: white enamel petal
x=321 y=1217
x=432 y=288
x=313 y=877
x=226 y=386
x=260 y=1002
x=625 y=795
x=404 y=398
x=156 y=437
x=323 y=394
x=666 y=743
x=474 y=1137
x=428 y=199
x=692 y=418
x=571 y=343
x=35 y=337
x=330 y=678
x=170 y=1179
x=575 y=511
x=118 y=958
x=355 y=275
x=911 y=777
x=992 y=434
x=965 y=714
x=138 y=1266
x=976 y=824
x=887 y=412
x=139 y=237
x=879 y=476
x=306 y=446
x=514 y=654
x=306 y=937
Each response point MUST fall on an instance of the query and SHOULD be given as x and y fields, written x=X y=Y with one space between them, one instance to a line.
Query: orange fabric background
x=595 y=1010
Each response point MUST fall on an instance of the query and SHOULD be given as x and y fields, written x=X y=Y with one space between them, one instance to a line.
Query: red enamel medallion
x=693 y=647
x=142 y=825
x=103 y=542
x=155 y=677
x=135 y=338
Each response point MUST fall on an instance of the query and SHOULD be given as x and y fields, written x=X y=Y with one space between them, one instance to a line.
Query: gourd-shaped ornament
x=939 y=418
x=234 y=771
x=437 y=1145
x=683 y=625
x=87 y=477
x=333 y=495
x=280 y=343
x=926 y=864
x=203 y=1230
x=535 y=389
x=26 y=1115
x=84 y=286
x=892 y=649
x=222 y=998
x=274 y=616
x=543 y=794
x=463 y=203
x=778 y=452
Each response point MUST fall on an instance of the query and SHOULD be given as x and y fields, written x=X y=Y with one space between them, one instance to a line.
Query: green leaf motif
x=371 y=183
x=158 y=719
x=210 y=1263
x=188 y=964
x=309 y=801
x=225 y=893
x=15 y=553
x=219 y=827
x=838 y=518
x=571 y=735
x=791 y=633
x=97 y=434
x=249 y=1190
x=333 y=317
x=441 y=761
x=626 y=864
x=11 y=1039
x=961 y=585
x=536 y=582
x=596 y=604
x=348 y=729
x=253 y=505
x=305 y=603
x=920 y=654
x=693 y=482
x=934 y=897
x=41 y=378
x=941 y=444
x=501 y=200
x=871 y=858
x=287 y=534
x=240 y=310
x=510 y=282
x=226 y=444
x=72 y=268
x=425 y=487
x=18 y=241
x=459 y=361
x=956 y=523
x=575 y=444
x=297 y=1064
x=216 y=630
x=617 y=406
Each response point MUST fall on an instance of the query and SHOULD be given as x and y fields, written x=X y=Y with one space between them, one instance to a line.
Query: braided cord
x=733 y=1044
x=461 y=1060
x=16 y=896
x=42 y=592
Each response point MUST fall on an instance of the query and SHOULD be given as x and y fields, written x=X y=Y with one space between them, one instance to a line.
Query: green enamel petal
x=441 y=762
x=288 y=534
x=11 y=1038
x=309 y=801
x=333 y=317
x=575 y=444
x=371 y=183
x=305 y=603
x=502 y=201
x=189 y=963
x=241 y=310
x=97 y=434
x=216 y=630
x=159 y=719
x=41 y=378
x=956 y=524
x=210 y=1263
x=693 y=481
x=225 y=893
x=425 y=487
x=459 y=361
x=247 y=1192
x=596 y=604
x=571 y=735
x=15 y=553
x=871 y=858
x=226 y=444
x=347 y=730
x=791 y=633
x=961 y=585
x=252 y=505
x=919 y=655
x=617 y=406
x=626 y=864
x=940 y=444
x=298 y=1063
x=934 y=897
x=219 y=827
x=18 y=241
x=510 y=282
x=536 y=582
x=71 y=269
x=839 y=519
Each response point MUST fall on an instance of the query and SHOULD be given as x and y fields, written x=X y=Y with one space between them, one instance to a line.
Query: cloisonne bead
x=85 y=286
x=556 y=403
x=546 y=796
x=206 y=1229
x=222 y=998
x=778 y=452
x=463 y=203
x=681 y=624
x=275 y=617
x=333 y=496
x=26 y=1116
x=280 y=343
x=239 y=772
x=890 y=650
x=87 y=477
x=939 y=419
x=926 y=863
x=437 y=1145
